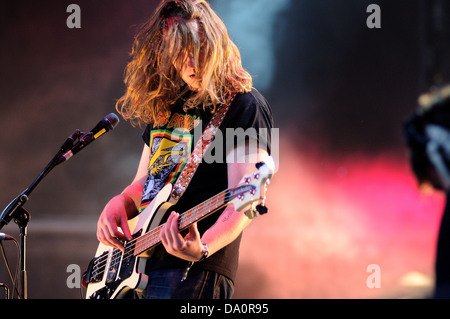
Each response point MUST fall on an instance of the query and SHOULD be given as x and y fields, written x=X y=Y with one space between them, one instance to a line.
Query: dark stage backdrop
x=346 y=217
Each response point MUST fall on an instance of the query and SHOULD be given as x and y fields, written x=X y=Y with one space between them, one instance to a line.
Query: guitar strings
x=130 y=246
x=153 y=235
x=99 y=266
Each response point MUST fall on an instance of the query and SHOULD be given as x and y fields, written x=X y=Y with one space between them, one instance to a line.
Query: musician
x=183 y=68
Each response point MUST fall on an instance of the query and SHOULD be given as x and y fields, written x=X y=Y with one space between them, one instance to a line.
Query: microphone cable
x=13 y=278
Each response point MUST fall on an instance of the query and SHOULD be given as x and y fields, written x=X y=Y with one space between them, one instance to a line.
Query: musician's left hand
x=189 y=247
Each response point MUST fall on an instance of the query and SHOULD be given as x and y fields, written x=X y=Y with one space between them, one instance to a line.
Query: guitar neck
x=152 y=238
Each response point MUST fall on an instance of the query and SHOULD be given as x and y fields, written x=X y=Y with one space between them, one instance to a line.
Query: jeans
x=199 y=284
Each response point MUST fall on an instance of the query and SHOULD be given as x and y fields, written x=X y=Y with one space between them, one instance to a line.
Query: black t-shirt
x=171 y=141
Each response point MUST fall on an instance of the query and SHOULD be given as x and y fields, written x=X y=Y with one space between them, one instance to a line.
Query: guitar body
x=115 y=272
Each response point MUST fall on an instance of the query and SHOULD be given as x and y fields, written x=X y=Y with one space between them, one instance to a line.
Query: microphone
x=4 y=236
x=109 y=122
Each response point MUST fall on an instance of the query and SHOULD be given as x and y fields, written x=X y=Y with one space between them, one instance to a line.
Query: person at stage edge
x=427 y=135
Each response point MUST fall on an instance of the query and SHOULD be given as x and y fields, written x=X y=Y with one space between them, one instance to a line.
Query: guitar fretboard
x=152 y=238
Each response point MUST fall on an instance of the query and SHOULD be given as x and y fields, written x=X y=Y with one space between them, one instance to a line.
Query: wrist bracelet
x=205 y=253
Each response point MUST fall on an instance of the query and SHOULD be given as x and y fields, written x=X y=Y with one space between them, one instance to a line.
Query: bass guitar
x=113 y=273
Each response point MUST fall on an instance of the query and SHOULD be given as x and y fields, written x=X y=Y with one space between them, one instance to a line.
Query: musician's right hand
x=112 y=226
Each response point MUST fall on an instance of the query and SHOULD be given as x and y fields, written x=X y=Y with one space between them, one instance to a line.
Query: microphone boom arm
x=68 y=149
x=15 y=209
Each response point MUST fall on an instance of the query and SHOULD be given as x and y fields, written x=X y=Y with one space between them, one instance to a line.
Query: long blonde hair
x=153 y=83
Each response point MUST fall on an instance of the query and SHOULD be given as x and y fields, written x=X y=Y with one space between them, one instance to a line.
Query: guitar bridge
x=96 y=269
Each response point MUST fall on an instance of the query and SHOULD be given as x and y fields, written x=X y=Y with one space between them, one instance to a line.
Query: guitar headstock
x=250 y=194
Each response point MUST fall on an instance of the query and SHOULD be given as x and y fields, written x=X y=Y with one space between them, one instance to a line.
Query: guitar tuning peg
x=259 y=164
x=257 y=210
x=262 y=209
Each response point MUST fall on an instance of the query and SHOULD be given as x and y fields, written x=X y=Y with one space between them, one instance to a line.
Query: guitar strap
x=200 y=148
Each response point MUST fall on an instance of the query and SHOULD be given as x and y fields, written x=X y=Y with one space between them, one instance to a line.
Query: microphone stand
x=21 y=217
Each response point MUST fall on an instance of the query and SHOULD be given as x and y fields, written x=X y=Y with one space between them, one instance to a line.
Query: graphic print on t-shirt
x=168 y=155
